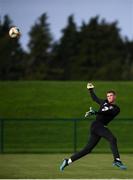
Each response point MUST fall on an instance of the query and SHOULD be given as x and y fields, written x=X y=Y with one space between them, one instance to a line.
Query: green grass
x=42 y=99
x=51 y=99
x=54 y=99
x=47 y=166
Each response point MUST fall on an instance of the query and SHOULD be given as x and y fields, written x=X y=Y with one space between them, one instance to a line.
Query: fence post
x=1 y=135
x=75 y=135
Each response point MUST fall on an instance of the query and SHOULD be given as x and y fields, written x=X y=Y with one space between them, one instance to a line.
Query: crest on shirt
x=110 y=107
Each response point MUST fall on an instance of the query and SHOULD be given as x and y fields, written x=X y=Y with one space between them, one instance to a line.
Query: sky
x=24 y=13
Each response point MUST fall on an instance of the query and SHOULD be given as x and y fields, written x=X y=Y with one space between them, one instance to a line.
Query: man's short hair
x=111 y=91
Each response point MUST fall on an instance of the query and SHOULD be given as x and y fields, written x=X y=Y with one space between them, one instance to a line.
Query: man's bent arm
x=94 y=97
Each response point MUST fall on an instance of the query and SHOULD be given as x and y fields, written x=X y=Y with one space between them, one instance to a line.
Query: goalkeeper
x=106 y=113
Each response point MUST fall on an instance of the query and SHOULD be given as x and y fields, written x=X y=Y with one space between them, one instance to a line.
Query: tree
x=65 y=51
x=39 y=49
x=128 y=65
x=92 y=51
x=102 y=47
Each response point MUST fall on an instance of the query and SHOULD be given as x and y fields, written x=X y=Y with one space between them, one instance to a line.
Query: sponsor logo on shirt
x=105 y=108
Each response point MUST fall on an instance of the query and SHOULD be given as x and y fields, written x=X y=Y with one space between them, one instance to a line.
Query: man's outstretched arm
x=90 y=87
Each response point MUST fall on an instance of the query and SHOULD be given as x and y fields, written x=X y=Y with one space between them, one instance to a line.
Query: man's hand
x=90 y=86
x=90 y=112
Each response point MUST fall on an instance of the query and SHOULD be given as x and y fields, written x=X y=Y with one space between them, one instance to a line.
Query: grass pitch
x=48 y=99
x=46 y=166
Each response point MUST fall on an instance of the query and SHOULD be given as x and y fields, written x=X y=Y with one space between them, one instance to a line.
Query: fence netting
x=59 y=135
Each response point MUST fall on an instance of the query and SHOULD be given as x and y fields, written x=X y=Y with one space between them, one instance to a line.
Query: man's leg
x=107 y=134
x=94 y=139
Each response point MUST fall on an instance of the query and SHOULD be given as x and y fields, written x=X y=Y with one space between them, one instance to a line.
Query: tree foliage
x=39 y=46
x=93 y=51
x=65 y=51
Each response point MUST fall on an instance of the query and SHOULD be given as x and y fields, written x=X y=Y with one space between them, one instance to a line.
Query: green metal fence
x=58 y=135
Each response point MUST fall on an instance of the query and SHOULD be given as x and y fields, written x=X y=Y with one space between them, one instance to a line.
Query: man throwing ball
x=108 y=110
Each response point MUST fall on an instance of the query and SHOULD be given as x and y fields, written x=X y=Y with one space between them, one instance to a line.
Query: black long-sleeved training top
x=107 y=111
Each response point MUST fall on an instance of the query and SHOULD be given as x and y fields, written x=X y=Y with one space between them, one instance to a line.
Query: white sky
x=24 y=13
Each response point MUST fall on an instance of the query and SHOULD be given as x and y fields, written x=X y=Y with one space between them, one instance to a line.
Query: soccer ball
x=14 y=32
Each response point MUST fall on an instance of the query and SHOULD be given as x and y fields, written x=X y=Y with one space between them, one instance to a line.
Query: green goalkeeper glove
x=90 y=86
x=90 y=112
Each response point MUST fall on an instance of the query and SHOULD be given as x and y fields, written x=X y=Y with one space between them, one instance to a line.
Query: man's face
x=111 y=97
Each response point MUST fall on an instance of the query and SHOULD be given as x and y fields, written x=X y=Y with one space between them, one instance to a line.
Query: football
x=14 y=32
